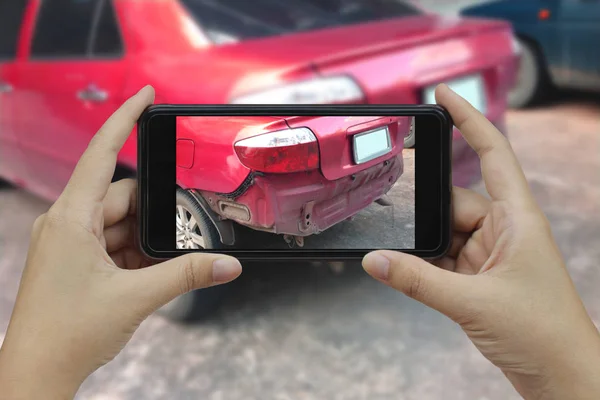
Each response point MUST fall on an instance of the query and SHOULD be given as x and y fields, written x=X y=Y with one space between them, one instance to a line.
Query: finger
x=93 y=173
x=447 y=263
x=131 y=258
x=459 y=239
x=120 y=201
x=502 y=173
x=437 y=288
x=159 y=284
x=469 y=208
x=475 y=253
x=120 y=235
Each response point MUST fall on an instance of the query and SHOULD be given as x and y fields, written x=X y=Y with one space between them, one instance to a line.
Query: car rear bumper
x=306 y=203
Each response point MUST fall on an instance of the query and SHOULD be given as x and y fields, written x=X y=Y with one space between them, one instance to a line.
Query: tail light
x=290 y=150
x=321 y=90
x=544 y=14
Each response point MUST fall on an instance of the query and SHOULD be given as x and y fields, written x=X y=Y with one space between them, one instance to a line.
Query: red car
x=66 y=65
x=294 y=176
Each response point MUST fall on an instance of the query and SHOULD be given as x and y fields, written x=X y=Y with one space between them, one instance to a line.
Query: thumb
x=442 y=290
x=161 y=283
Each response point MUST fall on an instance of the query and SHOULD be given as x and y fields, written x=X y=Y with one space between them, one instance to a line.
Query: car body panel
x=216 y=167
x=54 y=104
x=12 y=161
x=565 y=32
x=335 y=134
x=53 y=124
x=580 y=32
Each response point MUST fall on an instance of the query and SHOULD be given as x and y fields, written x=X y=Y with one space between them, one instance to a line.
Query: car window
x=63 y=28
x=356 y=11
x=223 y=24
x=107 y=36
x=11 y=17
x=233 y=20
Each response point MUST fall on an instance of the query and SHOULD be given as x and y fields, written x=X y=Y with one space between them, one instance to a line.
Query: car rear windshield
x=234 y=20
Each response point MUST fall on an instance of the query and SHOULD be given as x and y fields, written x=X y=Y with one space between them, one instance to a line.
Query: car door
x=11 y=20
x=72 y=82
x=579 y=33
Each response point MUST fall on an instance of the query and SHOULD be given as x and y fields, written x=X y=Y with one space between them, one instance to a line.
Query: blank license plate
x=470 y=87
x=372 y=144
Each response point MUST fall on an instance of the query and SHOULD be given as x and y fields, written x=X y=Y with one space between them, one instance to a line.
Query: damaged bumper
x=306 y=203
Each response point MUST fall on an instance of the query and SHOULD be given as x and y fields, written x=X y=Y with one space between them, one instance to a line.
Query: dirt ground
x=298 y=331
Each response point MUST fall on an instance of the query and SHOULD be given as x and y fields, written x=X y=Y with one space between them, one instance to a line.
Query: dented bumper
x=306 y=203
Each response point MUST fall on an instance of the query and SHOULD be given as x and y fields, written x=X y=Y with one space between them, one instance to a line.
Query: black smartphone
x=294 y=182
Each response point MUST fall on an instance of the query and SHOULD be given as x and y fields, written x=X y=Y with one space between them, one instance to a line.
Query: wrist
x=572 y=375
x=24 y=376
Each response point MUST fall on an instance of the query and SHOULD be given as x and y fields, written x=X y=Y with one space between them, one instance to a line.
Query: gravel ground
x=296 y=331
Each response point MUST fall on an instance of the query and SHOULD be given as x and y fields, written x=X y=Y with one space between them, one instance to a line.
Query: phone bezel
x=433 y=176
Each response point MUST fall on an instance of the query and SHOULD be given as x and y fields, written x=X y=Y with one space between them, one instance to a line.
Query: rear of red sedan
x=295 y=176
x=361 y=51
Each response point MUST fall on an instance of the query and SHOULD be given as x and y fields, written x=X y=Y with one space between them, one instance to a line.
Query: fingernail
x=226 y=269
x=144 y=89
x=451 y=90
x=377 y=266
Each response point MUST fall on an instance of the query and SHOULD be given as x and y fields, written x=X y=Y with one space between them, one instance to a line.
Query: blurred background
x=302 y=331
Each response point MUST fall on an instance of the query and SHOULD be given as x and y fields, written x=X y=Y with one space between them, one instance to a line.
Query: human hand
x=504 y=280
x=86 y=288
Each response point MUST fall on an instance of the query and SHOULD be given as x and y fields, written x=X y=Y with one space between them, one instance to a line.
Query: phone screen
x=311 y=182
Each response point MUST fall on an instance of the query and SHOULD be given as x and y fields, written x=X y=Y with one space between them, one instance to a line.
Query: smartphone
x=324 y=182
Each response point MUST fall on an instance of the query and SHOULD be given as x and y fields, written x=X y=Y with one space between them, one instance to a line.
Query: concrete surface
x=301 y=332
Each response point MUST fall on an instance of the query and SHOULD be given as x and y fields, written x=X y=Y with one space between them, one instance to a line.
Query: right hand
x=504 y=280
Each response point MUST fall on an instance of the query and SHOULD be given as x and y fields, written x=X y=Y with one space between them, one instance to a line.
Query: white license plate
x=372 y=144
x=470 y=87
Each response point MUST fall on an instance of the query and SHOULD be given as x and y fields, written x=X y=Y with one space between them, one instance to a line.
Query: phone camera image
x=295 y=182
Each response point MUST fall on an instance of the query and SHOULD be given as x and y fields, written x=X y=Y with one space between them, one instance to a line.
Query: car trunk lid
x=402 y=50
x=348 y=145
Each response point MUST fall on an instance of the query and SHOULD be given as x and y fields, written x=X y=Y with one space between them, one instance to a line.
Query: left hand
x=86 y=287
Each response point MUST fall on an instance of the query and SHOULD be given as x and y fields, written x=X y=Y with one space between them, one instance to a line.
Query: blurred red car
x=66 y=65
x=295 y=176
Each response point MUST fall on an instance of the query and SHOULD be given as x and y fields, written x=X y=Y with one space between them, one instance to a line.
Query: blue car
x=560 y=44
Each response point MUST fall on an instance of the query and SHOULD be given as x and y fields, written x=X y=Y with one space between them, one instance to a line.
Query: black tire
x=198 y=304
x=207 y=229
x=409 y=141
x=533 y=81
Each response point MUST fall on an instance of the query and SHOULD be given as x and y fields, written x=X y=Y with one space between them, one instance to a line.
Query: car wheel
x=196 y=305
x=409 y=140
x=532 y=78
x=196 y=231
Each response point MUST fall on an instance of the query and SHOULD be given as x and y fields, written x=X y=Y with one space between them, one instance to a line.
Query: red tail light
x=290 y=150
